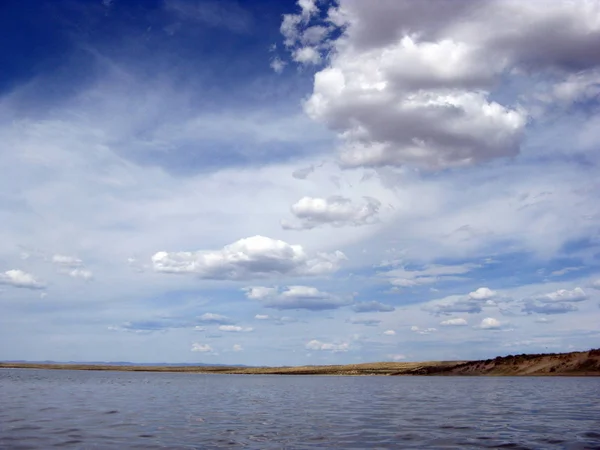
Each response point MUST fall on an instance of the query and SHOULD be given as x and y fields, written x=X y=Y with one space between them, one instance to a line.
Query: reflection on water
x=43 y=409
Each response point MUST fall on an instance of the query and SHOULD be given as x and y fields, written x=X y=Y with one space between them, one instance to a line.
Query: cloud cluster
x=325 y=346
x=72 y=266
x=336 y=211
x=201 y=348
x=418 y=330
x=471 y=304
x=253 y=257
x=430 y=274
x=296 y=297
x=414 y=84
x=559 y=302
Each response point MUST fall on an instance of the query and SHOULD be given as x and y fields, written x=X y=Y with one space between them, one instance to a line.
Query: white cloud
x=80 y=273
x=254 y=257
x=318 y=345
x=20 y=279
x=454 y=322
x=296 y=297
x=431 y=274
x=336 y=211
x=199 y=328
x=389 y=332
x=564 y=295
x=595 y=284
x=261 y=317
x=372 y=306
x=483 y=293
x=67 y=261
x=277 y=65
x=489 y=323
x=307 y=55
x=237 y=348
x=558 y=302
x=202 y=348
x=542 y=320
x=235 y=329
x=419 y=330
x=214 y=318
x=397 y=357
x=408 y=84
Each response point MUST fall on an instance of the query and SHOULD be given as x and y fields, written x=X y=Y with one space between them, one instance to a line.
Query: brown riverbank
x=565 y=364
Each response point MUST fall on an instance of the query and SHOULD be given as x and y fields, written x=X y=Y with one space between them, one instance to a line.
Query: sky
x=298 y=182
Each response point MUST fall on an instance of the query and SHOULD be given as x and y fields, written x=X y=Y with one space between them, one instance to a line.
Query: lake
x=78 y=409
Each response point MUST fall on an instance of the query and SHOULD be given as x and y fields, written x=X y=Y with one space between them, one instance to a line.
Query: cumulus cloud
x=253 y=257
x=389 y=332
x=202 y=348
x=237 y=348
x=296 y=297
x=458 y=322
x=483 y=293
x=472 y=303
x=397 y=357
x=323 y=346
x=489 y=323
x=336 y=211
x=413 y=84
x=235 y=328
x=595 y=284
x=20 y=279
x=372 y=306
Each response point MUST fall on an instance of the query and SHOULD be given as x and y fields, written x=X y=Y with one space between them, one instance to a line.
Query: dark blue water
x=46 y=409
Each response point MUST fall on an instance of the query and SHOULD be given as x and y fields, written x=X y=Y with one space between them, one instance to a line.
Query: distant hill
x=558 y=364
x=115 y=363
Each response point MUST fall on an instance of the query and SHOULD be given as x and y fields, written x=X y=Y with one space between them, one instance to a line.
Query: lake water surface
x=77 y=409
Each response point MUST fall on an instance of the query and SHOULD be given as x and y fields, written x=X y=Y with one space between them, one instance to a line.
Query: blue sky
x=310 y=182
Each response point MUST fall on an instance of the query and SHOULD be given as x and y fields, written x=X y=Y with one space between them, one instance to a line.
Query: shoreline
x=547 y=364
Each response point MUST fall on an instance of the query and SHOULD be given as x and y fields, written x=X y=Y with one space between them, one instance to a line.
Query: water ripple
x=45 y=409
